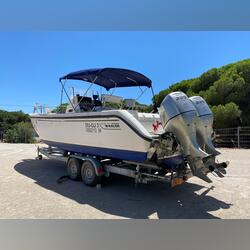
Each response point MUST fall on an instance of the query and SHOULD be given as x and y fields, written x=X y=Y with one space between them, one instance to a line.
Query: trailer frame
x=140 y=172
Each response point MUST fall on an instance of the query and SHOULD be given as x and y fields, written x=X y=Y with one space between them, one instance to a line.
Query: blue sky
x=124 y=15
x=32 y=62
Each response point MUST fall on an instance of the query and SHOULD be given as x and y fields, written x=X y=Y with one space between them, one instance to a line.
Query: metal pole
x=238 y=136
x=61 y=100
x=154 y=102
x=67 y=95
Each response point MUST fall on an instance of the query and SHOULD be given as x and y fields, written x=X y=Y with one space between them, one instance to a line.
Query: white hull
x=116 y=134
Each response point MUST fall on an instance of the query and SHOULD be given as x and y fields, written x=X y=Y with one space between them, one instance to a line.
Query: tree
x=219 y=87
x=21 y=132
x=8 y=121
x=226 y=115
x=60 y=109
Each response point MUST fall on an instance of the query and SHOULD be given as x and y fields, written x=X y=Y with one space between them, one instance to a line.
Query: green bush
x=60 y=109
x=8 y=119
x=226 y=115
x=21 y=132
x=11 y=136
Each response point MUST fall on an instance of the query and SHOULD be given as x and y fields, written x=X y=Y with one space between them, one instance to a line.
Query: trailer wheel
x=74 y=168
x=88 y=173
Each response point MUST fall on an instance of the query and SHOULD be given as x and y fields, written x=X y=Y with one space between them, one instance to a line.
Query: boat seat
x=97 y=102
x=112 y=98
x=129 y=103
x=85 y=103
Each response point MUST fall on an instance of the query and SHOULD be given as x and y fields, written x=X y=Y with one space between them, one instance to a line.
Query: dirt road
x=28 y=189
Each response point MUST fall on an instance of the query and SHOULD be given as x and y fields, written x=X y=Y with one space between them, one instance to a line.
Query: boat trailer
x=92 y=169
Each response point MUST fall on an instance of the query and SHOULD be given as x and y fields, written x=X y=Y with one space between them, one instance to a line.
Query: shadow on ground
x=120 y=196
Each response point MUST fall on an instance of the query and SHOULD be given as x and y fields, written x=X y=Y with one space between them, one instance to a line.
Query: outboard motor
x=179 y=116
x=204 y=125
x=204 y=129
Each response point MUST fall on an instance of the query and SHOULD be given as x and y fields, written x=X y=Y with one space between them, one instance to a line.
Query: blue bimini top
x=110 y=77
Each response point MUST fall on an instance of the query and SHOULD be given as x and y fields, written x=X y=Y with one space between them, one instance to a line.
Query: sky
x=124 y=15
x=32 y=62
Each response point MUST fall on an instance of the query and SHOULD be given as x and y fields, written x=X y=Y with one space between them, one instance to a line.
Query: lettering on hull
x=98 y=127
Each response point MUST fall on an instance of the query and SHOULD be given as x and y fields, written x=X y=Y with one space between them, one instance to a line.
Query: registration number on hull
x=98 y=127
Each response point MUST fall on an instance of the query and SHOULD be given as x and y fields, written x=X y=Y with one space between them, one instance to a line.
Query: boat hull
x=100 y=151
x=116 y=135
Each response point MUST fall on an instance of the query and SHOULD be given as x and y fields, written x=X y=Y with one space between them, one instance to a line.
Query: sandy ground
x=28 y=189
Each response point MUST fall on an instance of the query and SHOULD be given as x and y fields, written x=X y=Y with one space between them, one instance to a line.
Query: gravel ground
x=28 y=189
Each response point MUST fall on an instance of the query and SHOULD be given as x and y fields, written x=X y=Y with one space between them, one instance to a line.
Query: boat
x=174 y=136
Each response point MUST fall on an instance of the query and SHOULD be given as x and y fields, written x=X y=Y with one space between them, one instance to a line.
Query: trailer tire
x=89 y=175
x=74 y=168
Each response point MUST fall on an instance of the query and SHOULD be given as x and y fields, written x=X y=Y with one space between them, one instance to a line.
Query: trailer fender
x=97 y=165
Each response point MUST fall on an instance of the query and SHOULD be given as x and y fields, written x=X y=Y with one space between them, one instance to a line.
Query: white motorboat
x=177 y=137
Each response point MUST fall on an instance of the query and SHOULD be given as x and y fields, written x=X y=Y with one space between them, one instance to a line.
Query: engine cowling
x=190 y=121
x=178 y=116
x=204 y=125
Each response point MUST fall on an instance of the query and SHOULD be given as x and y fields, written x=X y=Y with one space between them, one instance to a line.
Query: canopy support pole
x=61 y=100
x=63 y=88
x=154 y=102
x=142 y=92
x=86 y=92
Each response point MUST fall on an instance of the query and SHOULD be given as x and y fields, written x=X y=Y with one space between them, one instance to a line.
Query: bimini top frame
x=109 y=78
